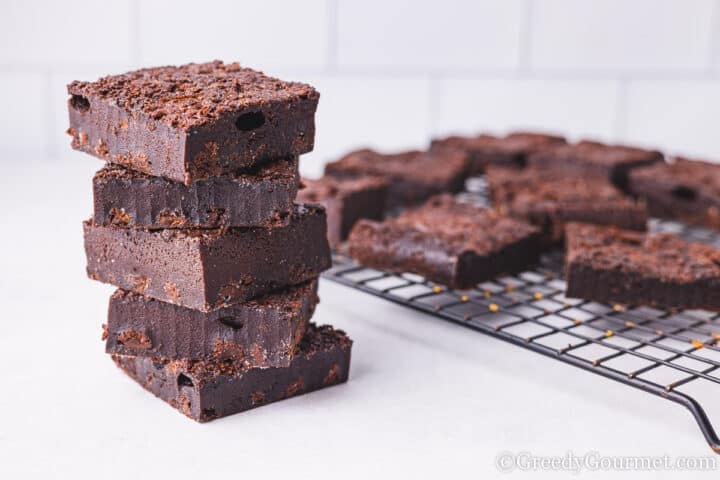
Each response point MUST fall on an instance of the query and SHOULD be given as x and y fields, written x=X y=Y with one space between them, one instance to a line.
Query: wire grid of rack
x=653 y=350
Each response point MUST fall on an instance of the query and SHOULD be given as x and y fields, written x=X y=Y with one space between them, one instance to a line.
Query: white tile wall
x=44 y=34
x=267 y=34
x=578 y=108
x=680 y=116
x=426 y=34
x=391 y=74
x=622 y=35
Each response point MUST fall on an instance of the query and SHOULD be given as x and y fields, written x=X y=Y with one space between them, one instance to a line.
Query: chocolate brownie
x=550 y=198
x=412 y=176
x=687 y=190
x=485 y=150
x=208 y=269
x=448 y=242
x=264 y=198
x=597 y=159
x=206 y=390
x=259 y=333
x=193 y=121
x=346 y=201
x=607 y=264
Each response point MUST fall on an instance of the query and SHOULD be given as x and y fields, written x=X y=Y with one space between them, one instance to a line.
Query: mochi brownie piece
x=595 y=158
x=264 y=198
x=209 y=269
x=686 y=190
x=607 y=264
x=193 y=121
x=550 y=198
x=264 y=332
x=412 y=176
x=448 y=242
x=485 y=150
x=346 y=201
x=205 y=390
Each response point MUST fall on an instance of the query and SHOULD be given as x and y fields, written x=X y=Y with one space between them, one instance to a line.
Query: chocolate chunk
x=687 y=190
x=192 y=122
x=485 y=150
x=206 y=390
x=607 y=264
x=346 y=201
x=595 y=158
x=448 y=242
x=208 y=269
x=125 y=197
x=412 y=176
x=549 y=198
x=264 y=332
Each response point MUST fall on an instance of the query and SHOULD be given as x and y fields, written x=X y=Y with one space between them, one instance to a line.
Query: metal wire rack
x=653 y=350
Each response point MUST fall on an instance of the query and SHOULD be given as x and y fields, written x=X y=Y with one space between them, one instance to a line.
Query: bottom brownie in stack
x=208 y=389
x=208 y=365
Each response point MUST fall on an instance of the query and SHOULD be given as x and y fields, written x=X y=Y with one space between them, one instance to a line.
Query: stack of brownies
x=194 y=221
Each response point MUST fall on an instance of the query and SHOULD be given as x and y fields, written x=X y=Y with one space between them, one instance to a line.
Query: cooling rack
x=653 y=350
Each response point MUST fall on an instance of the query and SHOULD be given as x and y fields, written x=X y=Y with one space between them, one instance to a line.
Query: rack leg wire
x=649 y=349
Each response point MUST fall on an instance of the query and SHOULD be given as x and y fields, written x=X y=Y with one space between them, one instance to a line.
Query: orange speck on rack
x=493 y=307
x=537 y=295
x=437 y=289
x=609 y=333
x=464 y=298
x=618 y=308
x=697 y=343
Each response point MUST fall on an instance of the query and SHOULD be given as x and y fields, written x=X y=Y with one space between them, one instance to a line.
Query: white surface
x=391 y=73
x=425 y=399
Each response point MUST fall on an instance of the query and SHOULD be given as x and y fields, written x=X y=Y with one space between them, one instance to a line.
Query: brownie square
x=264 y=198
x=264 y=332
x=193 y=121
x=346 y=201
x=412 y=176
x=687 y=190
x=448 y=242
x=595 y=158
x=209 y=269
x=485 y=150
x=550 y=198
x=206 y=390
x=607 y=264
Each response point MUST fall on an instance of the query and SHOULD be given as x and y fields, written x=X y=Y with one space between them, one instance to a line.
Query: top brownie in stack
x=412 y=176
x=595 y=158
x=510 y=151
x=687 y=190
x=193 y=121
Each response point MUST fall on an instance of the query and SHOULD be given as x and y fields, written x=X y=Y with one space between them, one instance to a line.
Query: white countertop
x=425 y=398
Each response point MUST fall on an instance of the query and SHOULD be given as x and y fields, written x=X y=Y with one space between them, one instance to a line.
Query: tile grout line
x=714 y=38
x=434 y=94
x=621 y=109
x=525 y=40
x=332 y=37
